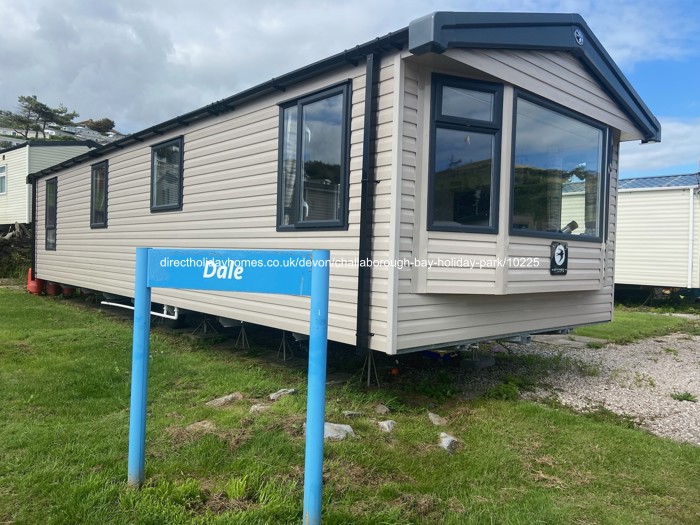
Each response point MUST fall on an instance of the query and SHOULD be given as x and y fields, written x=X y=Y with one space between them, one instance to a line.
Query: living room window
x=313 y=160
x=558 y=172
x=464 y=155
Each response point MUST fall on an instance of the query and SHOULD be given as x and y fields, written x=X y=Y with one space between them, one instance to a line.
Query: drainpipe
x=33 y=238
x=369 y=181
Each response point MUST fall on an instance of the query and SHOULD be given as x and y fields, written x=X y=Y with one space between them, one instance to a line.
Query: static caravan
x=658 y=235
x=431 y=162
x=20 y=160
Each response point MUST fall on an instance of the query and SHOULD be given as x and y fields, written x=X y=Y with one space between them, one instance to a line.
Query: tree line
x=32 y=117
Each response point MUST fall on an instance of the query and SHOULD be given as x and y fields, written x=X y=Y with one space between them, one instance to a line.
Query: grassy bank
x=64 y=385
x=633 y=324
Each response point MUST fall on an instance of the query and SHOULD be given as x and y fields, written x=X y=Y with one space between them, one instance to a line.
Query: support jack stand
x=206 y=327
x=371 y=368
x=284 y=348
x=242 y=339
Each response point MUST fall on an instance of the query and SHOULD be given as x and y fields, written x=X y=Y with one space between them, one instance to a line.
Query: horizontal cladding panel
x=652 y=238
x=234 y=125
x=413 y=306
x=417 y=325
x=430 y=339
x=486 y=315
x=572 y=285
x=483 y=287
x=542 y=248
x=456 y=275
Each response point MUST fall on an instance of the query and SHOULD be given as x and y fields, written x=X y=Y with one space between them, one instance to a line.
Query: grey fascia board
x=441 y=31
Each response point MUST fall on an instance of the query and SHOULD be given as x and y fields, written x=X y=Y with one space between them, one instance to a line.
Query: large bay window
x=313 y=162
x=558 y=172
x=464 y=155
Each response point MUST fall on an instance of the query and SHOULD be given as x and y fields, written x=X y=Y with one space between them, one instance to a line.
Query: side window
x=166 y=175
x=3 y=180
x=558 y=172
x=98 y=196
x=464 y=155
x=313 y=161
x=50 y=218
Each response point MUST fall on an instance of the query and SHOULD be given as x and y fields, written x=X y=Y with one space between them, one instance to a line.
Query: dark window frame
x=94 y=224
x=604 y=187
x=493 y=127
x=50 y=220
x=344 y=88
x=4 y=176
x=181 y=170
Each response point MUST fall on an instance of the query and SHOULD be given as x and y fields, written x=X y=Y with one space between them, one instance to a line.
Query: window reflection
x=463 y=174
x=312 y=161
x=557 y=172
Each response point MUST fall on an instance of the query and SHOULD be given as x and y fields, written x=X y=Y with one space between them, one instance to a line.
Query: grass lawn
x=64 y=390
x=633 y=324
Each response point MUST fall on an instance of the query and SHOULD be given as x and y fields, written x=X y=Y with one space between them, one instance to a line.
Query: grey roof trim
x=443 y=30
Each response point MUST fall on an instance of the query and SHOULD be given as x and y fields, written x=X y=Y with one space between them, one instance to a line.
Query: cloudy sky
x=142 y=62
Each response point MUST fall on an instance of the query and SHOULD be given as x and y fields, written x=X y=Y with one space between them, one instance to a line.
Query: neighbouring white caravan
x=658 y=232
x=439 y=153
x=17 y=162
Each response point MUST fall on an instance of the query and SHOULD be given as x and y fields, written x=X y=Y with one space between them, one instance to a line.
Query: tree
x=33 y=116
x=102 y=125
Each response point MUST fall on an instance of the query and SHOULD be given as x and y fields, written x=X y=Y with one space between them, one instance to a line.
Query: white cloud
x=678 y=152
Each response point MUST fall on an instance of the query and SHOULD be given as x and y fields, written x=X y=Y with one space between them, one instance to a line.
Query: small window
x=3 y=180
x=313 y=161
x=166 y=175
x=98 y=201
x=558 y=172
x=464 y=155
x=50 y=219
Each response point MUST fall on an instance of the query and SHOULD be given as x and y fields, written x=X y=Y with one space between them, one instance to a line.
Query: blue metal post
x=139 y=370
x=316 y=400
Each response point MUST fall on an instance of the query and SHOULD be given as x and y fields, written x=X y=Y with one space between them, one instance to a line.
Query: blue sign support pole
x=316 y=399
x=139 y=370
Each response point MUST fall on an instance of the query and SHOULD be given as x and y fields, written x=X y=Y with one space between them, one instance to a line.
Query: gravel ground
x=635 y=380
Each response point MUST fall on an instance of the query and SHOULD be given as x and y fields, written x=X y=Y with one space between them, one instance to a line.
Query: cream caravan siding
x=573 y=207
x=41 y=157
x=230 y=199
x=654 y=241
x=14 y=203
x=471 y=307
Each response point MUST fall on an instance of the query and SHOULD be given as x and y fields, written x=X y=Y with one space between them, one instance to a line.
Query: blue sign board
x=260 y=271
